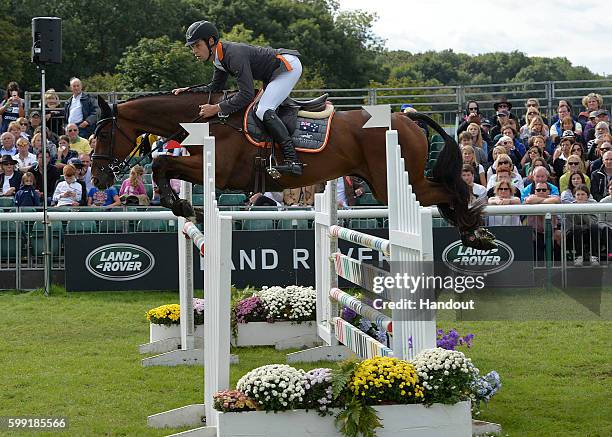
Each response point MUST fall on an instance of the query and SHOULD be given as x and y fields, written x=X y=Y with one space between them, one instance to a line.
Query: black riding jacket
x=246 y=63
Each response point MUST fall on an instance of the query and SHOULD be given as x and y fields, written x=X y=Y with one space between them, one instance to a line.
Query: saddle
x=308 y=123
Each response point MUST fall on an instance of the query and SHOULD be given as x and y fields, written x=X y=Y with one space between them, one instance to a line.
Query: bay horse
x=351 y=150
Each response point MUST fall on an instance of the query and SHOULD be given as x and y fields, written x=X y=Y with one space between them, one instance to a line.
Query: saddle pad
x=309 y=135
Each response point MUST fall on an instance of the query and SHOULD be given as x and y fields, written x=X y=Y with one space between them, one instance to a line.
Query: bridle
x=114 y=166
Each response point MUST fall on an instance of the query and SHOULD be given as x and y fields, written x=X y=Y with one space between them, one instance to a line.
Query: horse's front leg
x=166 y=168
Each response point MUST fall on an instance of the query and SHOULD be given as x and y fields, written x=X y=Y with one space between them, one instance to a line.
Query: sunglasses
x=73 y=130
x=504 y=162
x=503 y=189
x=23 y=124
x=605 y=149
x=541 y=190
x=573 y=163
x=531 y=152
x=502 y=105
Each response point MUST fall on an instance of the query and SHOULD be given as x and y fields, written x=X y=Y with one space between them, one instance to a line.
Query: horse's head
x=113 y=144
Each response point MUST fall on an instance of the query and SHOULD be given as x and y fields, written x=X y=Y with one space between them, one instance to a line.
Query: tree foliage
x=142 y=41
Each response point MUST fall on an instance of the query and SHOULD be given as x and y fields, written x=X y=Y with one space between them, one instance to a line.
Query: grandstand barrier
x=410 y=243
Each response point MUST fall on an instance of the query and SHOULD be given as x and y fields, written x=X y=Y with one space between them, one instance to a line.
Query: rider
x=279 y=69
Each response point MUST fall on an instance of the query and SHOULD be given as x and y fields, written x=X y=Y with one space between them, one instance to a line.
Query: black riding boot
x=278 y=130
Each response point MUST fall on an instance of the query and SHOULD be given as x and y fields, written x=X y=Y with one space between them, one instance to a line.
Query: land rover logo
x=470 y=261
x=120 y=262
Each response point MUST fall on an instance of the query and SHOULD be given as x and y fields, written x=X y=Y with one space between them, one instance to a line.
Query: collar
x=219 y=51
x=78 y=96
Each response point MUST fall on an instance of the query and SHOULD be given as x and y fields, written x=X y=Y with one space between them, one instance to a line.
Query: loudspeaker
x=47 y=40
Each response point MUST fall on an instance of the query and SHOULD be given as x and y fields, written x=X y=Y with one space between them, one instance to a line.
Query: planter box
x=164 y=332
x=283 y=335
x=398 y=420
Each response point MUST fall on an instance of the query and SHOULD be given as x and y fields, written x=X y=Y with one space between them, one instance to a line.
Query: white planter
x=163 y=332
x=281 y=334
x=199 y=331
x=398 y=420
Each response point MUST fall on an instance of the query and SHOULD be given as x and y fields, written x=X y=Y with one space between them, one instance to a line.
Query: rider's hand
x=209 y=110
x=177 y=91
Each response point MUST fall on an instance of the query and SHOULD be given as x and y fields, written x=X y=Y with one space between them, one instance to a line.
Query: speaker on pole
x=47 y=40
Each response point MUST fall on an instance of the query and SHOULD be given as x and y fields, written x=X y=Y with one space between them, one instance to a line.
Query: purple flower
x=348 y=314
x=250 y=309
x=452 y=339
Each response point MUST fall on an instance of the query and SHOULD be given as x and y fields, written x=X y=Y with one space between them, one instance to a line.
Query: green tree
x=159 y=65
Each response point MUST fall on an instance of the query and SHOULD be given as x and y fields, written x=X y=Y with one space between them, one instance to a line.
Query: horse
x=351 y=150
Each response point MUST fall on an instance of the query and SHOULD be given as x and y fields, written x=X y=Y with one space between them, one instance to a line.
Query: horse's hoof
x=480 y=239
x=182 y=208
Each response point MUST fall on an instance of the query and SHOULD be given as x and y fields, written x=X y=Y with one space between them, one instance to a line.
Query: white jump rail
x=216 y=243
x=410 y=242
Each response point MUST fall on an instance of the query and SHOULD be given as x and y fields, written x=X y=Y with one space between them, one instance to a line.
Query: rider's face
x=200 y=50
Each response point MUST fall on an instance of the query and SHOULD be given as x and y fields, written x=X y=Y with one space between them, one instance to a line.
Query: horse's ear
x=106 y=110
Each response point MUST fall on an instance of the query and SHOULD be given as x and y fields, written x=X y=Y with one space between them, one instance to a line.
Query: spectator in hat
x=68 y=192
x=601 y=177
x=587 y=132
x=601 y=115
x=25 y=159
x=10 y=179
x=591 y=102
x=35 y=122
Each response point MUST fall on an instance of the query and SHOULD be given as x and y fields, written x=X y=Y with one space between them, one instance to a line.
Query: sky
x=578 y=30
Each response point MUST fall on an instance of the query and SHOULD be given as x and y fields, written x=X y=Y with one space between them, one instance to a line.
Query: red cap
x=172 y=144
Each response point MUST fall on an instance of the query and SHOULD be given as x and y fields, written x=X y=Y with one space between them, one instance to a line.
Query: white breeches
x=280 y=87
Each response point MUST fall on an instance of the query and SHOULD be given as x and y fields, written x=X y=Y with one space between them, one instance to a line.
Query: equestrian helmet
x=201 y=30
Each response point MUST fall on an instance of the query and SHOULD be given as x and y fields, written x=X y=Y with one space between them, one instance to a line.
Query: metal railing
x=445 y=103
x=558 y=234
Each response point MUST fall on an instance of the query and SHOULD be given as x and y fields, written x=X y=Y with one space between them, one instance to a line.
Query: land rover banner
x=149 y=261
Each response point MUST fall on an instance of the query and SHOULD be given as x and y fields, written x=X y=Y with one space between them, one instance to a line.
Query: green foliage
x=13 y=56
x=104 y=82
x=240 y=33
x=358 y=419
x=342 y=375
x=160 y=65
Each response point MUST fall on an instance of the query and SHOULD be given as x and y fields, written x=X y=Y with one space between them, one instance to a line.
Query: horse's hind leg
x=165 y=168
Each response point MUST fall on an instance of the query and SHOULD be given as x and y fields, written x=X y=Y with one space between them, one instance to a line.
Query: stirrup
x=290 y=167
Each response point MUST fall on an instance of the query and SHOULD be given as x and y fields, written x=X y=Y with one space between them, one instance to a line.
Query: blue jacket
x=529 y=189
x=27 y=196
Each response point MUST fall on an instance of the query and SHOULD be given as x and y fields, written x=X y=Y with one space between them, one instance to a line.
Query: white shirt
x=340 y=194
x=62 y=188
x=479 y=191
x=7 y=185
x=25 y=162
x=76 y=111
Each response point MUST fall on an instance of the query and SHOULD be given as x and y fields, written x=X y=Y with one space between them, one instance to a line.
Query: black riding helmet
x=202 y=30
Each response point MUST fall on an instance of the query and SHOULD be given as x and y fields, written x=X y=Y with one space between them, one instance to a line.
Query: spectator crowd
x=508 y=159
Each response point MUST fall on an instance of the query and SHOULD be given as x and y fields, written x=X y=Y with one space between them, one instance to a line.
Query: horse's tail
x=447 y=172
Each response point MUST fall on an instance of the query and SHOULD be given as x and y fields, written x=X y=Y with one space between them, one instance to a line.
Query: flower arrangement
x=447 y=375
x=171 y=314
x=293 y=303
x=275 y=387
x=435 y=376
x=364 y=325
x=233 y=401
x=382 y=380
x=484 y=388
x=319 y=392
x=452 y=339
x=165 y=315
